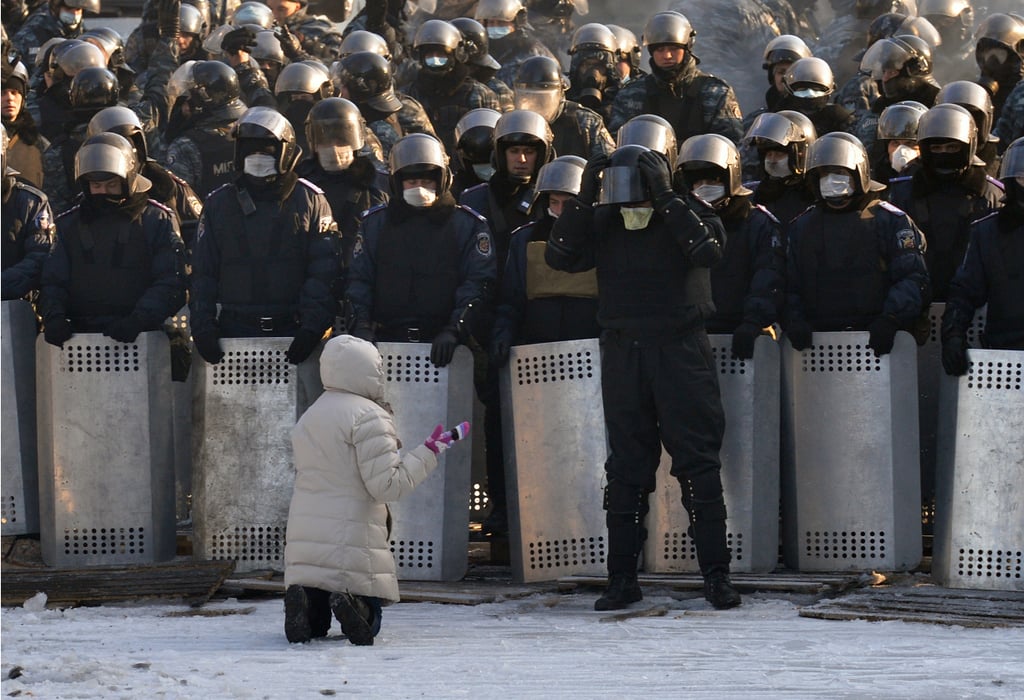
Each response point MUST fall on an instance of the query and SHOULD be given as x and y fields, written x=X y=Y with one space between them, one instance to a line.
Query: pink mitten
x=439 y=440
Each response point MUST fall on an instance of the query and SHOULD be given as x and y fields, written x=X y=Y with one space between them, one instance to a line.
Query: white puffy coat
x=347 y=467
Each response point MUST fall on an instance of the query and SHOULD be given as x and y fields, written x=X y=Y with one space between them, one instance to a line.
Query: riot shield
x=20 y=478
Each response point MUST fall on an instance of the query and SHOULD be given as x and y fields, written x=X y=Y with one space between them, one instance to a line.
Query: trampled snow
x=549 y=645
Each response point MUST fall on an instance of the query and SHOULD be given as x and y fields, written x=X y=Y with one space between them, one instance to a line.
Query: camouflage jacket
x=40 y=27
x=1010 y=126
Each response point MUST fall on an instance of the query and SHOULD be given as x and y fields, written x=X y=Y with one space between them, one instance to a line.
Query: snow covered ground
x=549 y=645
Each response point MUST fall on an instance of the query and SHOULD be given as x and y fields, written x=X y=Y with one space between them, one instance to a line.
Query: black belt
x=266 y=324
x=405 y=334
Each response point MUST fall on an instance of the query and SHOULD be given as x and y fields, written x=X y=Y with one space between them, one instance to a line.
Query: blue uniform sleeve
x=767 y=283
x=55 y=280
x=36 y=239
x=362 y=276
x=166 y=293
x=793 y=308
x=909 y=284
x=317 y=306
x=478 y=268
x=512 y=295
x=205 y=277
x=968 y=290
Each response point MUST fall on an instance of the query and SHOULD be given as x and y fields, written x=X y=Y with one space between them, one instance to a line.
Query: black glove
x=590 y=184
x=208 y=347
x=302 y=346
x=241 y=39
x=883 y=334
x=800 y=335
x=743 y=340
x=499 y=352
x=443 y=348
x=169 y=18
x=57 y=331
x=654 y=168
x=954 y=356
x=289 y=43
x=125 y=330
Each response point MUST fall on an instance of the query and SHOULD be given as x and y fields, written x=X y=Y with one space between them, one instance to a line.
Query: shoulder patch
x=906 y=239
x=357 y=247
x=326 y=224
x=891 y=208
x=471 y=211
x=767 y=213
x=31 y=189
x=310 y=185
x=44 y=220
x=483 y=244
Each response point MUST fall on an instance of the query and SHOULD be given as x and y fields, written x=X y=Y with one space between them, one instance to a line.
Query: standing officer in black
x=653 y=250
x=118 y=264
x=264 y=251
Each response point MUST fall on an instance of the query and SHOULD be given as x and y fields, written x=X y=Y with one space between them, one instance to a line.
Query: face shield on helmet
x=948 y=139
x=711 y=157
x=540 y=87
x=563 y=175
x=72 y=56
x=781 y=144
x=837 y=166
x=259 y=132
x=899 y=62
x=123 y=122
x=651 y=131
x=335 y=132
x=418 y=156
x=474 y=141
x=622 y=182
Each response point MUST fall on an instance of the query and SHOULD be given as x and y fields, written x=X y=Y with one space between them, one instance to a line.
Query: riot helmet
x=73 y=55
x=669 y=27
x=268 y=54
x=952 y=18
x=899 y=122
x=810 y=83
x=522 y=127
x=365 y=78
x=105 y=156
x=622 y=181
x=15 y=77
x=321 y=39
x=253 y=13
x=92 y=89
x=782 y=52
x=304 y=78
x=73 y=19
x=362 y=40
x=264 y=130
x=652 y=131
x=1011 y=172
x=773 y=132
x=109 y=42
x=902 y=62
x=840 y=151
x=540 y=87
x=418 y=155
x=474 y=141
x=192 y=21
x=563 y=175
x=438 y=47
x=594 y=37
x=712 y=157
x=948 y=138
x=884 y=26
x=474 y=39
x=976 y=100
x=335 y=132
x=920 y=27
x=999 y=50
x=593 y=64
x=203 y=6
x=123 y=122
x=214 y=91
x=499 y=11
x=628 y=47
x=865 y=9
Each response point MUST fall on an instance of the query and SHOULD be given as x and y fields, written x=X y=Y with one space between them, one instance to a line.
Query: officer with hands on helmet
x=948 y=191
x=265 y=253
x=854 y=261
x=117 y=265
x=653 y=250
x=28 y=232
x=538 y=304
x=578 y=131
x=990 y=274
x=423 y=266
x=748 y=284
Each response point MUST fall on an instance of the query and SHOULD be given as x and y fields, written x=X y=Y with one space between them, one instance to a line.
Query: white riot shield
x=851 y=486
x=750 y=470
x=20 y=480
x=106 y=471
x=979 y=519
x=430 y=526
x=929 y=371
x=555 y=450
x=242 y=471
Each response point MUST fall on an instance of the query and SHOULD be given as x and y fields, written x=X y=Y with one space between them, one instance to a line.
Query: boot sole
x=618 y=604
x=353 y=625
x=296 y=616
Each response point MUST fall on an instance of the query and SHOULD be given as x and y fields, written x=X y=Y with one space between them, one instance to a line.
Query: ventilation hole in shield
x=840 y=358
x=105 y=541
x=998 y=376
x=727 y=363
x=411 y=368
x=10 y=510
x=845 y=545
x=555 y=367
x=418 y=554
x=252 y=367
x=116 y=357
x=568 y=553
x=990 y=563
x=679 y=547
x=250 y=543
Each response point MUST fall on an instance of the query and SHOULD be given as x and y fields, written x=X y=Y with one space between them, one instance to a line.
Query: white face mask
x=484 y=171
x=70 y=19
x=552 y=214
x=435 y=61
x=419 y=197
x=777 y=168
x=835 y=185
x=334 y=158
x=260 y=165
x=498 y=32
x=710 y=193
x=636 y=218
x=902 y=156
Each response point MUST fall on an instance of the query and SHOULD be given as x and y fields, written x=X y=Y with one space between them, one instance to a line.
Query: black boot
x=719 y=591
x=622 y=590
x=296 y=615
x=355 y=616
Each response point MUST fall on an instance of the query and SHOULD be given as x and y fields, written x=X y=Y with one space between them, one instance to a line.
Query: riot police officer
x=780 y=141
x=28 y=232
x=692 y=101
x=480 y=62
x=628 y=54
x=265 y=251
x=117 y=266
x=423 y=266
x=473 y=162
x=747 y=285
x=948 y=192
x=954 y=20
x=578 y=131
x=779 y=55
x=990 y=274
x=652 y=250
x=594 y=78
x=854 y=262
x=511 y=38
x=976 y=100
x=201 y=152
x=808 y=88
x=300 y=86
x=895 y=151
x=999 y=53
x=54 y=18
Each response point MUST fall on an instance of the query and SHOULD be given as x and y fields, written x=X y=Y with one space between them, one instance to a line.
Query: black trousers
x=662 y=388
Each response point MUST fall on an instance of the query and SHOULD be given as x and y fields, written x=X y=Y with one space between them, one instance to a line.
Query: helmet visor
x=622 y=185
x=337 y=132
x=544 y=102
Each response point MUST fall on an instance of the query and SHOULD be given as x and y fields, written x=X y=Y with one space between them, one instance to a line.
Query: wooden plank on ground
x=817 y=584
x=195 y=581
